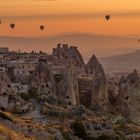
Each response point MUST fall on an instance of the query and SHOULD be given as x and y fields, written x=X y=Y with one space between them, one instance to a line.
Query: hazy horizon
x=88 y=44
x=63 y=17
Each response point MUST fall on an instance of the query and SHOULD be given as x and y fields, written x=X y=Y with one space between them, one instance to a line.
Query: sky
x=60 y=16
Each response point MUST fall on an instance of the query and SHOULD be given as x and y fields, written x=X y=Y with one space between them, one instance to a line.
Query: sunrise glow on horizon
x=70 y=16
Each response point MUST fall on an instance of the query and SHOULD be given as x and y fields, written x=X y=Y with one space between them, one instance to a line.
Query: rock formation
x=95 y=70
x=121 y=105
x=60 y=74
x=113 y=92
x=70 y=82
x=126 y=102
x=69 y=56
x=67 y=88
x=85 y=87
x=66 y=52
x=42 y=79
x=130 y=93
x=6 y=89
x=9 y=100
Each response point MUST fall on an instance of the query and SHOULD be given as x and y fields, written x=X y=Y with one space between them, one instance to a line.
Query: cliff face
x=70 y=57
x=66 y=52
x=6 y=90
x=58 y=74
x=9 y=100
x=126 y=102
x=131 y=91
x=121 y=104
x=99 y=97
x=68 y=88
x=113 y=92
x=85 y=88
x=42 y=79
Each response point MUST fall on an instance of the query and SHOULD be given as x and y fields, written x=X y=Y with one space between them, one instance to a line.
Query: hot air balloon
x=12 y=25
x=42 y=27
x=107 y=17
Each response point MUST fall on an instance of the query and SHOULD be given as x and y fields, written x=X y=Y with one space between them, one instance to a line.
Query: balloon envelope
x=42 y=27
x=107 y=17
x=12 y=26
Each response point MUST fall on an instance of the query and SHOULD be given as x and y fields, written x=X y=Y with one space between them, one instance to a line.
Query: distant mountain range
x=122 y=63
x=88 y=44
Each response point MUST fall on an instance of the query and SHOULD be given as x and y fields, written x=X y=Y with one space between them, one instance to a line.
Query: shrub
x=78 y=128
x=58 y=77
x=66 y=136
x=24 y=96
x=33 y=93
x=78 y=111
x=51 y=99
x=53 y=113
x=61 y=102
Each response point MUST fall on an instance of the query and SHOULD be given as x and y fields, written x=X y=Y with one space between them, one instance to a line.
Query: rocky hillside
x=9 y=99
x=67 y=99
x=124 y=96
